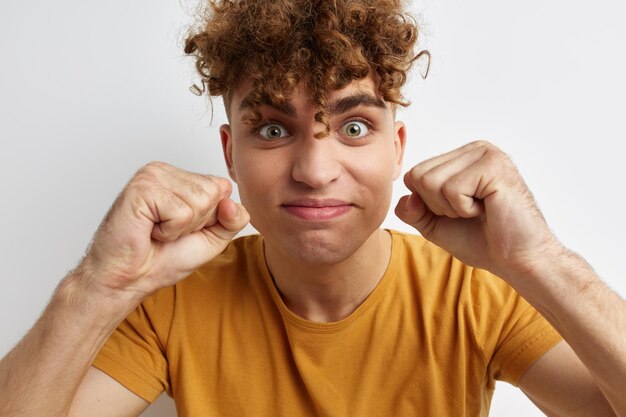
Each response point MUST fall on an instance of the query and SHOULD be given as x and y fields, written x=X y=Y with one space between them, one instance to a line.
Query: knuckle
x=156 y=164
x=142 y=180
x=413 y=173
x=450 y=189
x=453 y=195
x=147 y=192
x=429 y=181
x=154 y=192
x=150 y=170
x=211 y=192
x=206 y=199
x=221 y=184
x=416 y=171
x=497 y=157
x=481 y=143
x=185 y=212
x=206 y=203
x=228 y=186
x=412 y=177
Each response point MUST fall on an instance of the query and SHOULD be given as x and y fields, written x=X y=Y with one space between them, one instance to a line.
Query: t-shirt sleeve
x=512 y=334
x=135 y=354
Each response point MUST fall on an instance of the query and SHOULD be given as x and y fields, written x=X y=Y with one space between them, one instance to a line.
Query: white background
x=91 y=91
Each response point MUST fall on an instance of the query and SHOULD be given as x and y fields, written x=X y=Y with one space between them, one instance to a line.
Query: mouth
x=317 y=210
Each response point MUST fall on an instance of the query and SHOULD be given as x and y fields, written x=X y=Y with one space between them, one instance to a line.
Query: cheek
x=376 y=166
x=374 y=175
x=257 y=173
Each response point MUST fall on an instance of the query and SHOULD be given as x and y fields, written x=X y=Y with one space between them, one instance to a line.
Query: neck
x=330 y=292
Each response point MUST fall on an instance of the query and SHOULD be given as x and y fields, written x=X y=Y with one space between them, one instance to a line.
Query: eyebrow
x=347 y=103
x=344 y=104
x=286 y=108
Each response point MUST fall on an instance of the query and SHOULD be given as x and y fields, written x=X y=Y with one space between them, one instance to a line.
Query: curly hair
x=326 y=44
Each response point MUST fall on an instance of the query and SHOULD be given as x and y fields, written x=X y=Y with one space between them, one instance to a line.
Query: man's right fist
x=166 y=223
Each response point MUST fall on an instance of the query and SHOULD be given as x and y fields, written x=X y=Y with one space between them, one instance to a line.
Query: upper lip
x=312 y=202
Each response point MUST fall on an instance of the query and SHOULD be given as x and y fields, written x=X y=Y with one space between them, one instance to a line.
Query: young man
x=323 y=313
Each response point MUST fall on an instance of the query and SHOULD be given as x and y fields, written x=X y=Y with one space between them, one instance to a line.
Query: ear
x=227 y=149
x=399 y=142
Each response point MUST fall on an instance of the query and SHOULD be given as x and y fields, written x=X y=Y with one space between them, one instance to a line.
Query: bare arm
x=561 y=386
x=473 y=202
x=592 y=319
x=41 y=375
x=165 y=224
x=99 y=395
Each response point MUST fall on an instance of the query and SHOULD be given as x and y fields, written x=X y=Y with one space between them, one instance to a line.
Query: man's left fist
x=473 y=203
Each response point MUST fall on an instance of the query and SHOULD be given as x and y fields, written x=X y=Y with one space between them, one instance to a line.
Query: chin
x=315 y=255
x=320 y=247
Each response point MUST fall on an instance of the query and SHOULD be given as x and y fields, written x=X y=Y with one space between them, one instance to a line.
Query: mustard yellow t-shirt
x=430 y=340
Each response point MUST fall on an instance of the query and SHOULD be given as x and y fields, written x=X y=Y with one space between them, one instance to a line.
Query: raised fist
x=166 y=223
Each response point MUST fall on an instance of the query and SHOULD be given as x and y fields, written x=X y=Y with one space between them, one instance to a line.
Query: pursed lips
x=317 y=209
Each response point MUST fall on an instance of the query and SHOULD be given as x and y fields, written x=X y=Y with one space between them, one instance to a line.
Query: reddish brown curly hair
x=324 y=43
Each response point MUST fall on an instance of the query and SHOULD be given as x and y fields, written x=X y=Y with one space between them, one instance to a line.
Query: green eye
x=273 y=131
x=355 y=129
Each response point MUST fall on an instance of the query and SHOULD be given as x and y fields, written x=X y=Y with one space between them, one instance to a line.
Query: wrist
x=77 y=297
x=558 y=270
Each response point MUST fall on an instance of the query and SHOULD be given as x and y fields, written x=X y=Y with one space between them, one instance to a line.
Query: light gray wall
x=89 y=92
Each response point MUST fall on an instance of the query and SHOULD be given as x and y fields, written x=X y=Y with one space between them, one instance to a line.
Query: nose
x=316 y=162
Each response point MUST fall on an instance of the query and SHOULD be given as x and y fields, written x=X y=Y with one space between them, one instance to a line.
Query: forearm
x=41 y=375
x=587 y=313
